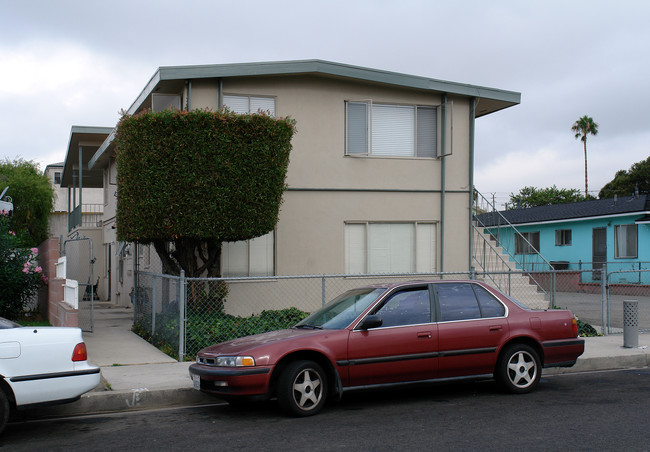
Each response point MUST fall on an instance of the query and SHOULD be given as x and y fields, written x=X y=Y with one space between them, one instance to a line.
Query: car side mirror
x=371 y=321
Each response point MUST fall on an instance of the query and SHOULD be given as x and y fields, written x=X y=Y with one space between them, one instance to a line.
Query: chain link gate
x=623 y=286
x=79 y=266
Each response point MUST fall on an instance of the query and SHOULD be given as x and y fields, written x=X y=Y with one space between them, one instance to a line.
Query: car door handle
x=424 y=334
x=496 y=328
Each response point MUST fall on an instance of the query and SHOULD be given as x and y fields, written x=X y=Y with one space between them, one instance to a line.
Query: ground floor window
x=625 y=236
x=248 y=257
x=562 y=237
x=382 y=247
x=527 y=243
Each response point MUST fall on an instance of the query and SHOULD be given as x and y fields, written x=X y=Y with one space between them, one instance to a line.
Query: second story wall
x=319 y=160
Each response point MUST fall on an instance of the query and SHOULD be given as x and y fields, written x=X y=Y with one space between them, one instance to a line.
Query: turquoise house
x=579 y=236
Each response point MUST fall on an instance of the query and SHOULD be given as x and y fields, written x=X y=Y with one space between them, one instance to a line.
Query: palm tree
x=583 y=127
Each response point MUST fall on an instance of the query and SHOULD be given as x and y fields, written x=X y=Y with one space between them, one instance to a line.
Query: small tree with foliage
x=33 y=199
x=188 y=181
x=533 y=197
x=627 y=183
x=20 y=274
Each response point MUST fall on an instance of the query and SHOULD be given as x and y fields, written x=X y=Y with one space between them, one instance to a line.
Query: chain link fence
x=183 y=315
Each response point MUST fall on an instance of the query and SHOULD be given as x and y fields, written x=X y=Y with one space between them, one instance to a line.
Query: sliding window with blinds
x=390 y=247
x=384 y=130
x=248 y=257
x=249 y=104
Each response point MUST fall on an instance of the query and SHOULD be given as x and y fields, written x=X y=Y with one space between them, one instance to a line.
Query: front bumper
x=231 y=381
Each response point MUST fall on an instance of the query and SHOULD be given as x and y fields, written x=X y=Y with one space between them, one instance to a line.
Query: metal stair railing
x=488 y=221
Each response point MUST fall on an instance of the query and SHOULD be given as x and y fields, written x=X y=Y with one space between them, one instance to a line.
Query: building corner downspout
x=189 y=95
x=220 y=99
x=472 y=131
x=443 y=143
x=81 y=169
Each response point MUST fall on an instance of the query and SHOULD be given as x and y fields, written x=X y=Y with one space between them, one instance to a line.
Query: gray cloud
x=79 y=62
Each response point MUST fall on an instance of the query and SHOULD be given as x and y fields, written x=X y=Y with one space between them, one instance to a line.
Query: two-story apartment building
x=381 y=172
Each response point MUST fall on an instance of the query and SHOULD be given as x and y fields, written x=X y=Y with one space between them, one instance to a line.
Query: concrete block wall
x=51 y=303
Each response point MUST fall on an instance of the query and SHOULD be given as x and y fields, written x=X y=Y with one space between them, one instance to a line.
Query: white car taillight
x=80 y=353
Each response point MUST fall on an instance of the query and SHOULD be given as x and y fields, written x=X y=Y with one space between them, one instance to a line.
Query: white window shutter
x=234 y=258
x=355 y=249
x=425 y=248
x=357 y=128
x=427 y=128
x=265 y=104
x=261 y=255
x=391 y=248
x=237 y=104
x=393 y=130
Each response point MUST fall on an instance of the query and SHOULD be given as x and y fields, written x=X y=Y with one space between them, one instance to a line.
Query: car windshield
x=341 y=311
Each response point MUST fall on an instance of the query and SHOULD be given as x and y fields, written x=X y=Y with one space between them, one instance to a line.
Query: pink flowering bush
x=20 y=274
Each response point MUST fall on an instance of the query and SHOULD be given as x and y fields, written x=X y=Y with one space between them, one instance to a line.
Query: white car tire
x=4 y=410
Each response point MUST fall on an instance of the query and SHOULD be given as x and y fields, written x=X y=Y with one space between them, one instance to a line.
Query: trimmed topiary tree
x=188 y=181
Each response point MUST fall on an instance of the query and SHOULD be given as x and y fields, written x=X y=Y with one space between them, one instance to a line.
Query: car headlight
x=234 y=361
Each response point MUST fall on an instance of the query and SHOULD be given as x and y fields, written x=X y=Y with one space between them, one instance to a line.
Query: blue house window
x=625 y=236
x=527 y=243
x=562 y=237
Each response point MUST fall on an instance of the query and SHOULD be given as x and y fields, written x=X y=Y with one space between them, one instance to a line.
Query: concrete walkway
x=136 y=375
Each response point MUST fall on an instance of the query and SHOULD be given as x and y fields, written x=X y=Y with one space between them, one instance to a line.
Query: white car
x=42 y=366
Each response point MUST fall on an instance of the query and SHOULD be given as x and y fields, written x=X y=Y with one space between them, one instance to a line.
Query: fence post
x=509 y=281
x=181 y=318
x=153 y=304
x=322 y=289
x=603 y=295
x=553 y=287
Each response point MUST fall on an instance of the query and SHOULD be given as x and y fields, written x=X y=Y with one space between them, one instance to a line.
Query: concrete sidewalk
x=136 y=375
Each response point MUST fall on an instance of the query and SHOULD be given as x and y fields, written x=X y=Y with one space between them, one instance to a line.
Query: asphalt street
x=587 y=411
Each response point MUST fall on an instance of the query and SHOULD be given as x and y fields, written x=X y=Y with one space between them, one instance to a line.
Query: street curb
x=602 y=363
x=102 y=402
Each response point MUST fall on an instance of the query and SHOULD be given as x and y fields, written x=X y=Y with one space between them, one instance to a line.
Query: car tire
x=302 y=388
x=518 y=369
x=4 y=410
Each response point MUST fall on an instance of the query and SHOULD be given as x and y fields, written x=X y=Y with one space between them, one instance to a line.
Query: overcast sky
x=69 y=62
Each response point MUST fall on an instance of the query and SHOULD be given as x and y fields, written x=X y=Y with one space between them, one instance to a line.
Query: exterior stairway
x=495 y=267
x=511 y=273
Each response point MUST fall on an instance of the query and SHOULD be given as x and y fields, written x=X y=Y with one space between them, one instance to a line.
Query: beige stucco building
x=380 y=178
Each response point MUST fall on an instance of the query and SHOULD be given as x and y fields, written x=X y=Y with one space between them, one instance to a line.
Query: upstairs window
x=160 y=102
x=562 y=237
x=249 y=104
x=626 y=239
x=391 y=130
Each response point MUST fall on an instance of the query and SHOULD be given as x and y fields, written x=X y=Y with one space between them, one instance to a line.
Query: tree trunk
x=197 y=257
x=586 y=187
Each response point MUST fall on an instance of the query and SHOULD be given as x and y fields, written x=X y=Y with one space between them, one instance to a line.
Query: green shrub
x=586 y=330
x=203 y=330
x=20 y=274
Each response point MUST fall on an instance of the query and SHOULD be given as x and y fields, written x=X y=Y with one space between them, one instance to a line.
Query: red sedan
x=392 y=334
